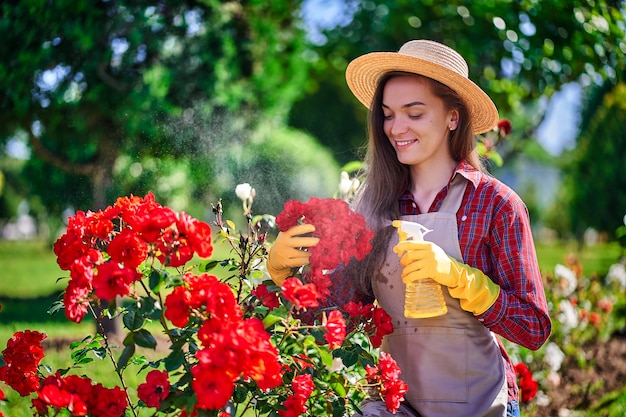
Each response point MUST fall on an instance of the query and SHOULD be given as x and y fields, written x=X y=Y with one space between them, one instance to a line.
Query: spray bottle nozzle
x=410 y=230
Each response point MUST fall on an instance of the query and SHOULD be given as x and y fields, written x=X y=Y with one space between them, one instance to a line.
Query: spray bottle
x=423 y=298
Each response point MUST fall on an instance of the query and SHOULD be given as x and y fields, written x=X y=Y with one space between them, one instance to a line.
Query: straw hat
x=428 y=58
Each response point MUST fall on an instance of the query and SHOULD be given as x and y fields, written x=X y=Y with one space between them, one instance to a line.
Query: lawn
x=28 y=269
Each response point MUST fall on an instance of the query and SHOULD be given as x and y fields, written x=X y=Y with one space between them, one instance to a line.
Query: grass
x=596 y=260
x=28 y=269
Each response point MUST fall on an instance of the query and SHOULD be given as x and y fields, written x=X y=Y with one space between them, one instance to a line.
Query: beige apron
x=451 y=363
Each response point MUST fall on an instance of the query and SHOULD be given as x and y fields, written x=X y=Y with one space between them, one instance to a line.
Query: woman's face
x=415 y=121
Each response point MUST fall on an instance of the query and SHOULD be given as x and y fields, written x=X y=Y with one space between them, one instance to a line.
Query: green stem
x=107 y=347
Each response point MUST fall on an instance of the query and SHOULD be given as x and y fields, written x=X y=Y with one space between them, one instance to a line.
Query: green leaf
x=100 y=353
x=127 y=353
x=349 y=356
x=339 y=388
x=149 y=308
x=145 y=339
x=132 y=320
x=64 y=412
x=129 y=339
x=208 y=265
x=256 y=274
x=481 y=148
x=240 y=393
x=355 y=405
x=173 y=280
x=94 y=344
x=80 y=357
x=270 y=320
x=74 y=345
x=495 y=157
x=327 y=357
x=55 y=307
x=139 y=360
x=352 y=166
x=111 y=310
x=174 y=360
x=155 y=280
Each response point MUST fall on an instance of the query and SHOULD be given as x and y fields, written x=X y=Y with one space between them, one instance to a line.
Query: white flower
x=553 y=380
x=541 y=399
x=568 y=316
x=244 y=191
x=617 y=272
x=554 y=356
x=624 y=219
x=345 y=184
x=337 y=365
x=567 y=280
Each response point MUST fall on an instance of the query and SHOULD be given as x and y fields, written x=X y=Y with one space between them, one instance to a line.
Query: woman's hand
x=287 y=252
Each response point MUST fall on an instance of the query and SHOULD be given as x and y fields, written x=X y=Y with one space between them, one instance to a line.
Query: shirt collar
x=468 y=172
x=463 y=168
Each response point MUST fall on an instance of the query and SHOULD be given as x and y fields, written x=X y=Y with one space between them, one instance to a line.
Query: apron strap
x=452 y=201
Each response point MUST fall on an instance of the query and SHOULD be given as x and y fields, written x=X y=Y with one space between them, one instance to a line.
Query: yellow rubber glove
x=475 y=291
x=286 y=252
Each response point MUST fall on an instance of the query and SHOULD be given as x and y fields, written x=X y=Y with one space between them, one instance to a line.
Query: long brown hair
x=385 y=178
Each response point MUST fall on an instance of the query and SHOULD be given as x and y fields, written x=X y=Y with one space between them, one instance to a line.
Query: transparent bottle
x=423 y=298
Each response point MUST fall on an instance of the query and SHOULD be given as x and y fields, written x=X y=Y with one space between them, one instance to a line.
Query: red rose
x=113 y=280
x=528 y=386
x=21 y=357
x=302 y=295
x=504 y=127
x=155 y=389
x=268 y=299
x=176 y=306
x=128 y=248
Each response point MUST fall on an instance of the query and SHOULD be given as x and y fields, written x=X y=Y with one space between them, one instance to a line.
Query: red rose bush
x=235 y=342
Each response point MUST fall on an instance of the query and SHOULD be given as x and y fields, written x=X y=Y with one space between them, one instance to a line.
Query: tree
x=90 y=81
x=517 y=51
x=594 y=174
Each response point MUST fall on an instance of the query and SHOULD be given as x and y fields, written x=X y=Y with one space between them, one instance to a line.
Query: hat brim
x=364 y=73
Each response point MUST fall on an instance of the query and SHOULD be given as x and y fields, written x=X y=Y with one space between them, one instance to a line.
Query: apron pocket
x=433 y=361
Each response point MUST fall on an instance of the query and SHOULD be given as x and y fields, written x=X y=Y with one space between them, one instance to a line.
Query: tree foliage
x=595 y=175
x=518 y=51
x=88 y=81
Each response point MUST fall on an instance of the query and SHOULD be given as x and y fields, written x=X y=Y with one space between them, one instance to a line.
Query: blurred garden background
x=188 y=98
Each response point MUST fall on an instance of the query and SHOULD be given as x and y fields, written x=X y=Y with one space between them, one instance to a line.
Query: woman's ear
x=454 y=119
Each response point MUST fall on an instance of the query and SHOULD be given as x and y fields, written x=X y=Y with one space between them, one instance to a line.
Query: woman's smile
x=400 y=144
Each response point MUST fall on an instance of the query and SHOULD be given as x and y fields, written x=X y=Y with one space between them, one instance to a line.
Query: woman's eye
x=415 y=116
x=388 y=116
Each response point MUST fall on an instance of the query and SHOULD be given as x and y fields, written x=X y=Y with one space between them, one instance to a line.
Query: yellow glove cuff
x=476 y=291
x=277 y=275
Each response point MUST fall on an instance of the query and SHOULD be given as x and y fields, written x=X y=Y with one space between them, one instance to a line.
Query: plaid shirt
x=495 y=237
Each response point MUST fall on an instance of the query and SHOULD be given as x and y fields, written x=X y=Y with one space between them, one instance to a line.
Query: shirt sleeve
x=520 y=314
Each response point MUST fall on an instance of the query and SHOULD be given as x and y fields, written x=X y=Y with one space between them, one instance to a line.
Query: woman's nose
x=398 y=126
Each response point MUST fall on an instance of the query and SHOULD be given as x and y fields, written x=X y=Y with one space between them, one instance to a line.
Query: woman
x=422 y=166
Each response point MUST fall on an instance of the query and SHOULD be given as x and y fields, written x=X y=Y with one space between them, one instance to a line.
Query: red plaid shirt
x=495 y=237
